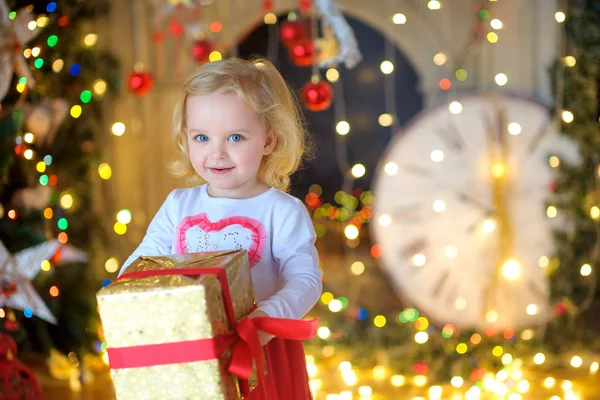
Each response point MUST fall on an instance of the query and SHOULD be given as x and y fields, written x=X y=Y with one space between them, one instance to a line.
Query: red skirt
x=287 y=378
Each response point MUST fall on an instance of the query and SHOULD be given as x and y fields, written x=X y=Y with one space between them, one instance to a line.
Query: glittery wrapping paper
x=171 y=309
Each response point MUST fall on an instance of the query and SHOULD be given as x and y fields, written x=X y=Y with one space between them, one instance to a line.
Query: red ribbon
x=243 y=339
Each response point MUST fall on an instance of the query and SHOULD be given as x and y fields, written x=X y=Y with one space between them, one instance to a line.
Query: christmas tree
x=53 y=80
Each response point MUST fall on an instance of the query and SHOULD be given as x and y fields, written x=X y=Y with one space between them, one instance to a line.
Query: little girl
x=239 y=133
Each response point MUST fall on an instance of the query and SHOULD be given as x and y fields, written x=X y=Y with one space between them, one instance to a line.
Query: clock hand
x=470 y=199
x=498 y=155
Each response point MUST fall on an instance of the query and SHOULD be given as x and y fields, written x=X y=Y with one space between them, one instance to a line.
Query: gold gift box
x=167 y=309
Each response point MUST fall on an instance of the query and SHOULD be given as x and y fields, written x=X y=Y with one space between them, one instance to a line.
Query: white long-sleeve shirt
x=274 y=227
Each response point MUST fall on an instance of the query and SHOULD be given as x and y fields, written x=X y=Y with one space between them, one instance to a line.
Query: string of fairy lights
x=354 y=209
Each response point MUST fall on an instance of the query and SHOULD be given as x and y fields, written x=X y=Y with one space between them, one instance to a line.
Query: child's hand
x=262 y=336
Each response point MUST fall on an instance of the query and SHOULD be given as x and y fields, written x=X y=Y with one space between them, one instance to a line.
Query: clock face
x=461 y=211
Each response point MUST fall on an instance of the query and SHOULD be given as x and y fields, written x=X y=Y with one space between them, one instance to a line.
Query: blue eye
x=201 y=138
x=235 y=137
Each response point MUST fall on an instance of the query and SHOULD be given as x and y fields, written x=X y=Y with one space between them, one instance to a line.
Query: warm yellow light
x=326 y=298
x=40 y=167
x=398 y=380
x=351 y=232
x=560 y=16
x=488 y=226
x=32 y=25
x=45 y=265
x=496 y=23
x=28 y=154
x=312 y=370
x=365 y=391
x=28 y=137
x=595 y=212
x=570 y=61
x=434 y=5
x=421 y=337
x=357 y=268
x=440 y=59
x=419 y=260
x=384 y=220
x=323 y=332
x=385 y=120
x=66 y=201
x=451 y=251
x=511 y=270
x=455 y=107
x=420 y=380
x=539 y=358
x=457 y=381
x=492 y=37
x=567 y=116
x=27 y=53
x=435 y=392
x=399 y=19
x=499 y=169
x=437 y=156
x=111 y=265
x=124 y=216
x=391 y=168
x=119 y=228
x=90 y=39
x=99 y=87
x=594 y=367
x=270 y=18
x=387 y=67
x=514 y=128
x=532 y=309
x=58 y=65
x=523 y=386
x=501 y=375
x=20 y=87
x=76 y=111
x=566 y=385
x=501 y=79
x=379 y=372
x=527 y=334
x=118 y=129
x=379 y=321
x=358 y=170
x=461 y=348
x=105 y=171
x=335 y=305
x=332 y=75
x=507 y=359
x=576 y=362
x=551 y=212
x=586 y=270
x=549 y=382
x=554 y=161
x=474 y=393
x=215 y=56
x=491 y=316
x=497 y=351
x=42 y=21
x=439 y=206
x=342 y=128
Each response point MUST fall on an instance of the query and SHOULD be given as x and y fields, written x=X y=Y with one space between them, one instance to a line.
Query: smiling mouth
x=220 y=171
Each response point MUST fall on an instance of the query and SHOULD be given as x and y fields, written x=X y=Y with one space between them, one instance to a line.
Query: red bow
x=244 y=337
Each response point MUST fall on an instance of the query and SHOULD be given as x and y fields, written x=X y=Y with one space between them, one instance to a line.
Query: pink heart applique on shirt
x=197 y=234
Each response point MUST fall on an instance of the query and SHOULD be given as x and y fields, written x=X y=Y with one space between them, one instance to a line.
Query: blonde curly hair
x=260 y=85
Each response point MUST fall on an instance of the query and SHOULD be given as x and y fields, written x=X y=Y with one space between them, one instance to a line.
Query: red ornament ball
x=302 y=53
x=317 y=96
x=291 y=32
x=201 y=49
x=16 y=380
x=140 y=82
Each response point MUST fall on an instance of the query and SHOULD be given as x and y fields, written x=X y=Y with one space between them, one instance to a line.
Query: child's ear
x=270 y=142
